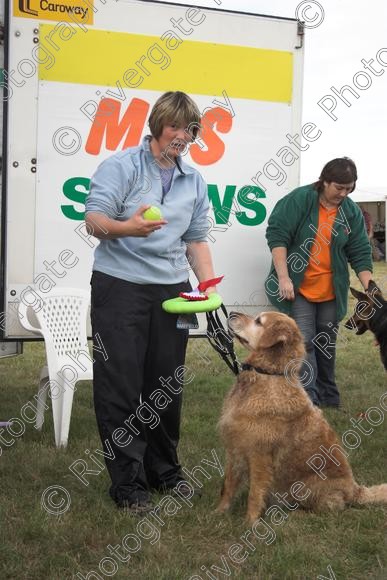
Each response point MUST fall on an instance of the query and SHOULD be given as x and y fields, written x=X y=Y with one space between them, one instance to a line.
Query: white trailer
x=80 y=79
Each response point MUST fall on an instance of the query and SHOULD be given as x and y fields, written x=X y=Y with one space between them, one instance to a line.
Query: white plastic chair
x=61 y=315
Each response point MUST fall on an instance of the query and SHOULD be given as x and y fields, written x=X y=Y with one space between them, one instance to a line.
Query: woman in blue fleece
x=139 y=264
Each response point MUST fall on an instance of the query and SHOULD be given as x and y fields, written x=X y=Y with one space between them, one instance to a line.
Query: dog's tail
x=374 y=494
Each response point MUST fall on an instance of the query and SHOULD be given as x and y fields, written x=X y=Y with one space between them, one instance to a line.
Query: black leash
x=221 y=340
x=247 y=367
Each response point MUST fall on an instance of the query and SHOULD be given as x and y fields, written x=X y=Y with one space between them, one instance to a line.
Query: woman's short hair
x=340 y=170
x=174 y=107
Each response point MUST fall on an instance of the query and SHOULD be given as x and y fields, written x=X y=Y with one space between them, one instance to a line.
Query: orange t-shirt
x=317 y=285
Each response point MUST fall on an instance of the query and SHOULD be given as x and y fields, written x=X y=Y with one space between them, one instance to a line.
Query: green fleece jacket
x=293 y=224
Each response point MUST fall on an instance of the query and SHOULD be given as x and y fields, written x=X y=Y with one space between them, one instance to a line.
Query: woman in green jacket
x=313 y=233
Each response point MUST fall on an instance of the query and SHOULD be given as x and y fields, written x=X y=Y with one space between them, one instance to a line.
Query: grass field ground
x=185 y=541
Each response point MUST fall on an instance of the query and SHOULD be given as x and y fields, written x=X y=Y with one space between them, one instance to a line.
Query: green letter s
x=72 y=193
x=251 y=203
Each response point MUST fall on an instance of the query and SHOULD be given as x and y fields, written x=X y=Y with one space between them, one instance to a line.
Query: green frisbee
x=181 y=305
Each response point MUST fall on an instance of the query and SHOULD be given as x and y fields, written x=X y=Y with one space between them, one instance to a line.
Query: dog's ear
x=275 y=334
x=357 y=294
x=355 y=323
x=374 y=290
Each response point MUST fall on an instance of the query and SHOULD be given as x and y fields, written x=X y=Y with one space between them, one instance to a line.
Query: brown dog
x=371 y=314
x=272 y=431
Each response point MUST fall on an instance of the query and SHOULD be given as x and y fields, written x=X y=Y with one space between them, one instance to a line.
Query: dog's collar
x=247 y=367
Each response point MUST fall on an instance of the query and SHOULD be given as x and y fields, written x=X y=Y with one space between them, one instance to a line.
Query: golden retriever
x=273 y=432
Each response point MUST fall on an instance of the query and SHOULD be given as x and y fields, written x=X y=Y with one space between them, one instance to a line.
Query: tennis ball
x=153 y=213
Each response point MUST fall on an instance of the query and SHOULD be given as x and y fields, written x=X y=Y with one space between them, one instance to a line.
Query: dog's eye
x=258 y=320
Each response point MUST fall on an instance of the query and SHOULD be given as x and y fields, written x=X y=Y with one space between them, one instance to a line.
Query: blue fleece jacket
x=129 y=179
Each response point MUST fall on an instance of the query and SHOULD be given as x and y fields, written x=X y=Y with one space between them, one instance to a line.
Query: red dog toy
x=198 y=293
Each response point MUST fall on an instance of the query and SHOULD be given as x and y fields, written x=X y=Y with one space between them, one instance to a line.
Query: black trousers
x=144 y=351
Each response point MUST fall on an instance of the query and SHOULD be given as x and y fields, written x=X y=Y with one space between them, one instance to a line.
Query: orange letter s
x=215 y=146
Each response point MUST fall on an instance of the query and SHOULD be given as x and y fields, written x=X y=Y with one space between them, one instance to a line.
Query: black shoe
x=135 y=507
x=315 y=403
x=182 y=488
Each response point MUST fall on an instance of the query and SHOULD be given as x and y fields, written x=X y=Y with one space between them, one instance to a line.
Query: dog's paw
x=222 y=508
x=252 y=517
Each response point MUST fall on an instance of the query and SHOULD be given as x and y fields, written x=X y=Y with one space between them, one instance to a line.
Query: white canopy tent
x=373 y=200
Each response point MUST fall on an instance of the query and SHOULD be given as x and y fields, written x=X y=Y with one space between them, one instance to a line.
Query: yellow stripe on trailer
x=162 y=64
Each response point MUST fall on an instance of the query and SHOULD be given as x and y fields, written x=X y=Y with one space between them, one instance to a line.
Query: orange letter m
x=107 y=120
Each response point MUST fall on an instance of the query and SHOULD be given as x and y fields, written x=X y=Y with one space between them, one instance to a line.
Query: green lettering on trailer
x=247 y=197
x=72 y=193
x=221 y=209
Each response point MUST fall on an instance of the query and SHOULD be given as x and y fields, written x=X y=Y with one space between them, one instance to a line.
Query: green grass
x=37 y=545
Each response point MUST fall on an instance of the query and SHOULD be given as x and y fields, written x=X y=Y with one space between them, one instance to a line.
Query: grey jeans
x=318 y=324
